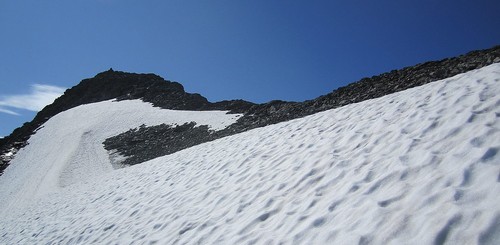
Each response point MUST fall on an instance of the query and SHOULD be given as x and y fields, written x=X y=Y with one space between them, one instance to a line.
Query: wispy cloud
x=39 y=96
x=8 y=111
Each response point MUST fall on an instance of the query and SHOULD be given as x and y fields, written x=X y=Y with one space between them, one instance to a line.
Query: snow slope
x=68 y=147
x=416 y=167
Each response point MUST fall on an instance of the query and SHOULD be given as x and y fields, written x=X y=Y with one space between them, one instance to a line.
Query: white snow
x=68 y=147
x=416 y=167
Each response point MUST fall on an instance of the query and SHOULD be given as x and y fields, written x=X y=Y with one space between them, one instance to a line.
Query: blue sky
x=253 y=50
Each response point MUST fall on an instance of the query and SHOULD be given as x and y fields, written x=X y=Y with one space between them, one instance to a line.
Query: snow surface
x=416 y=167
x=68 y=148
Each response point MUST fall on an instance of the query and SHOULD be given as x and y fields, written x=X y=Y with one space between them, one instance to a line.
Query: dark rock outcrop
x=171 y=95
x=144 y=143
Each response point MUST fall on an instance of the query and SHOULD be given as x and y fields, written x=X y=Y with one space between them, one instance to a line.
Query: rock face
x=171 y=95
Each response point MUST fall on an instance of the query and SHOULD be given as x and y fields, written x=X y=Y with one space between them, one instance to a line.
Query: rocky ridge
x=161 y=140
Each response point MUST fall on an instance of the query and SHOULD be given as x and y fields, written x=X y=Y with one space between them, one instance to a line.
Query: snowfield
x=415 y=167
x=68 y=148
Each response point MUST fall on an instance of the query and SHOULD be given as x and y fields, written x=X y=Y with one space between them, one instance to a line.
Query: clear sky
x=246 y=49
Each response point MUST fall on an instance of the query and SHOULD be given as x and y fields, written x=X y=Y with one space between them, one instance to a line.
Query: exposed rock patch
x=144 y=143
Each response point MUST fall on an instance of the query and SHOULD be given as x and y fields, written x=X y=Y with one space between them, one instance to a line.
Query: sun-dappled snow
x=415 y=167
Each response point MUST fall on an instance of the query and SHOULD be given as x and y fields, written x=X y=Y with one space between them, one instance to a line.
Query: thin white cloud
x=8 y=111
x=39 y=96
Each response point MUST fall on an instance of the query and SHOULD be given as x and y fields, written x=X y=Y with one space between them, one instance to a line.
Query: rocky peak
x=118 y=85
